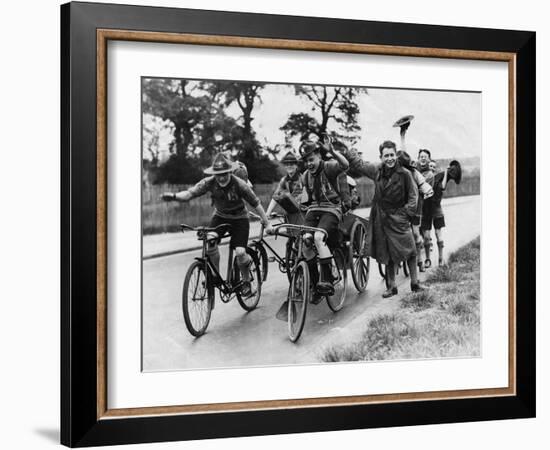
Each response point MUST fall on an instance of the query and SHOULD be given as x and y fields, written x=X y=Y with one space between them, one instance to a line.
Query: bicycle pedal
x=271 y=259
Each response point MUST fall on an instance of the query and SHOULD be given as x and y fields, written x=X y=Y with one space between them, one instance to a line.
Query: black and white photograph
x=296 y=224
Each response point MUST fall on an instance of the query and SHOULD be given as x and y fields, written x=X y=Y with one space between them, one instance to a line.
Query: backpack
x=241 y=171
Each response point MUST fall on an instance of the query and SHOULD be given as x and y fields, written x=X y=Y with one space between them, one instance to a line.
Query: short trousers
x=240 y=229
x=326 y=221
x=438 y=222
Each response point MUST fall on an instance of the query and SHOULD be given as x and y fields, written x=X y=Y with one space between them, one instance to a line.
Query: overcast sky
x=448 y=123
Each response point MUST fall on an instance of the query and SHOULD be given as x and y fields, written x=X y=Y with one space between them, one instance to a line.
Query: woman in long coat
x=390 y=238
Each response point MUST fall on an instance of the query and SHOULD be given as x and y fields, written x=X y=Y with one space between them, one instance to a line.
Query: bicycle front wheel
x=336 y=301
x=196 y=303
x=298 y=298
x=359 y=261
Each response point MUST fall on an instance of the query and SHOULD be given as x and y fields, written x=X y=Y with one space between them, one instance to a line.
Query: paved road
x=236 y=338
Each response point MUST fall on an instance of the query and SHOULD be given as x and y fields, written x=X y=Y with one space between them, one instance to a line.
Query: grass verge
x=442 y=321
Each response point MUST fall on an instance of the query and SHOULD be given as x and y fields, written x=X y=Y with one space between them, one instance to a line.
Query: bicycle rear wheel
x=336 y=301
x=249 y=303
x=262 y=259
x=298 y=298
x=196 y=303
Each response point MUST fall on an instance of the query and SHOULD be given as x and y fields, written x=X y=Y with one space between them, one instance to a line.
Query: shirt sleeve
x=423 y=186
x=412 y=193
x=360 y=167
x=333 y=168
x=298 y=188
x=247 y=193
x=201 y=188
x=280 y=188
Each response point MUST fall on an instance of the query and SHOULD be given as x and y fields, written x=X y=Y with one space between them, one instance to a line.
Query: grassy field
x=441 y=322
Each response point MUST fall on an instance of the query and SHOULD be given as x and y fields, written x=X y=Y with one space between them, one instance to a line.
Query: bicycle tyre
x=336 y=301
x=263 y=260
x=359 y=262
x=196 y=278
x=290 y=254
x=298 y=299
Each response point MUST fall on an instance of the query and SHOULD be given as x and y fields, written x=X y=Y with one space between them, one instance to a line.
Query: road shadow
x=49 y=434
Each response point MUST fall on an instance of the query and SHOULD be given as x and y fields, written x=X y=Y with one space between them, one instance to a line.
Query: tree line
x=196 y=112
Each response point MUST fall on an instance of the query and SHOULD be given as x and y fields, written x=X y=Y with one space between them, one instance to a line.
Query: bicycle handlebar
x=301 y=228
x=225 y=227
x=271 y=216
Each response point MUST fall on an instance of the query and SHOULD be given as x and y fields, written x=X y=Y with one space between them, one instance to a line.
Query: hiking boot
x=417 y=287
x=316 y=298
x=390 y=292
x=324 y=288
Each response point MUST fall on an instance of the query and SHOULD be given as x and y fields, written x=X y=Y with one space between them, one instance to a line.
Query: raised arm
x=359 y=167
x=422 y=183
x=201 y=188
x=412 y=194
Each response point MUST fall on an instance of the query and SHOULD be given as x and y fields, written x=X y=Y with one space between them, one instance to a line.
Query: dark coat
x=394 y=204
x=390 y=236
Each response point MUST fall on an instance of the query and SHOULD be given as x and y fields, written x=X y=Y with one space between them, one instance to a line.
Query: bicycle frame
x=262 y=241
x=302 y=229
x=225 y=287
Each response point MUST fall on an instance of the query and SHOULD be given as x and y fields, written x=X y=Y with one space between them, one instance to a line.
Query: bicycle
x=202 y=278
x=299 y=291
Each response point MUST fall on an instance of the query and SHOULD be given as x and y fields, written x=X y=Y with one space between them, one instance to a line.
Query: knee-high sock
x=440 y=245
x=313 y=271
x=326 y=269
x=244 y=261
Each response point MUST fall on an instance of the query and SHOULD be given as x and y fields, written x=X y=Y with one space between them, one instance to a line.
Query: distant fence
x=163 y=217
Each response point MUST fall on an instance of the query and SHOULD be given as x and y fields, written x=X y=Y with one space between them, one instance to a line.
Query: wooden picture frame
x=85 y=416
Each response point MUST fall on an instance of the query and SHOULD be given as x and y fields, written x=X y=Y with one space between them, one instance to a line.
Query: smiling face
x=291 y=169
x=388 y=157
x=223 y=178
x=312 y=161
x=423 y=158
x=432 y=166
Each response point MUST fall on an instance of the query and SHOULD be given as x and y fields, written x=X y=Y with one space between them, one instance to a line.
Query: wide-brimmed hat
x=403 y=121
x=220 y=165
x=455 y=171
x=307 y=148
x=289 y=158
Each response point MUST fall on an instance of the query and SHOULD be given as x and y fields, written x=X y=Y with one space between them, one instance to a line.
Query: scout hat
x=289 y=158
x=455 y=171
x=220 y=165
x=307 y=148
x=403 y=121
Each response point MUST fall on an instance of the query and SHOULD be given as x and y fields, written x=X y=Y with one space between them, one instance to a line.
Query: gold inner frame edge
x=103 y=36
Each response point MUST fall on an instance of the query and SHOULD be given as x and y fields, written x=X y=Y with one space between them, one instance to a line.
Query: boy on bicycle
x=229 y=194
x=324 y=208
x=289 y=191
